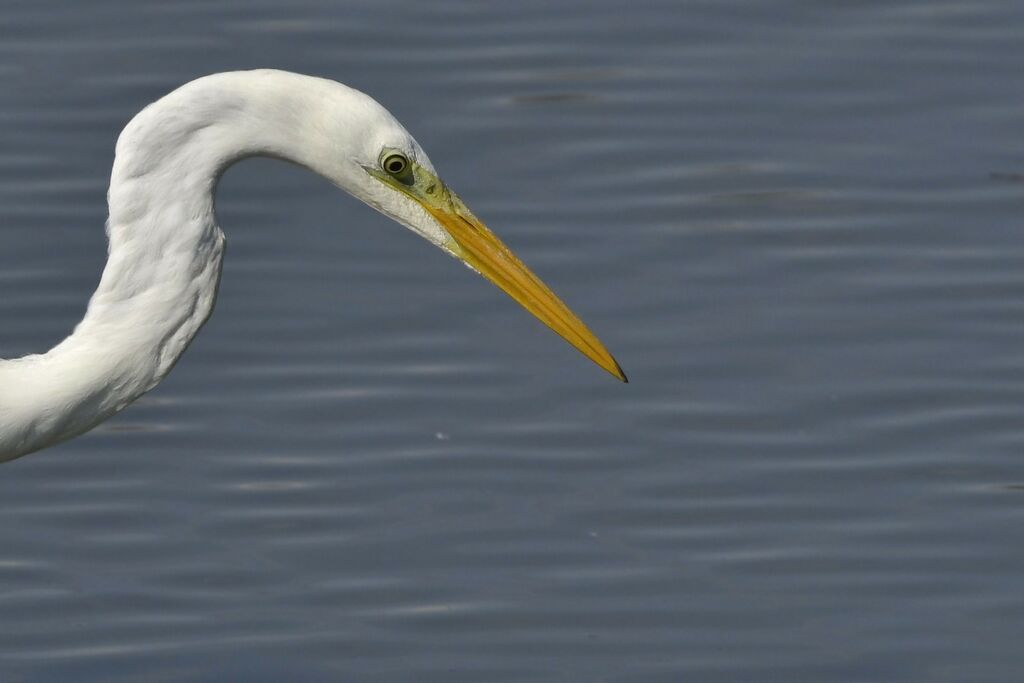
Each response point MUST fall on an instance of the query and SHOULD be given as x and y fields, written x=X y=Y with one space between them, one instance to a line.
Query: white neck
x=160 y=282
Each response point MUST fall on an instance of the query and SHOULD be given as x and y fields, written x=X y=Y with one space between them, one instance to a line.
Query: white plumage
x=160 y=281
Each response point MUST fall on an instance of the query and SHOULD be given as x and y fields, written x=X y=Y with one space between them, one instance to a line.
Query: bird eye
x=395 y=164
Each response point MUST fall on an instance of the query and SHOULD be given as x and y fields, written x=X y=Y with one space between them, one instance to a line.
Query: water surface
x=798 y=227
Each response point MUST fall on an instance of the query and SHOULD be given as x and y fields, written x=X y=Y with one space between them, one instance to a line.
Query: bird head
x=386 y=168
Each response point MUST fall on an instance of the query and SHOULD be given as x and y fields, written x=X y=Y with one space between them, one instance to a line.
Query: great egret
x=160 y=281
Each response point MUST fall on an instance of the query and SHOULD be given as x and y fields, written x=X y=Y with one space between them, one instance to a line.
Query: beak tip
x=618 y=373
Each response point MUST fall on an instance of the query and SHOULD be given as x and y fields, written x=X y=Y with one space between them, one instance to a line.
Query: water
x=797 y=225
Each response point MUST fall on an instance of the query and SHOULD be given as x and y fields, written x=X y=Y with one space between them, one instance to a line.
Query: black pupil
x=395 y=165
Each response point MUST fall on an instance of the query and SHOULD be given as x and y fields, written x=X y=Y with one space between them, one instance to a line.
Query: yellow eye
x=395 y=164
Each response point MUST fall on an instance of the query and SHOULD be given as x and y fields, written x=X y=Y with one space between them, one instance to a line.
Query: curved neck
x=160 y=281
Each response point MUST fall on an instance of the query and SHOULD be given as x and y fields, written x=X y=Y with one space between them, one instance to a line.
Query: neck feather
x=160 y=281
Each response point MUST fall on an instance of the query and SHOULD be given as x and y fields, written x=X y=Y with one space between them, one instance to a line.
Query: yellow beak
x=475 y=244
x=471 y=241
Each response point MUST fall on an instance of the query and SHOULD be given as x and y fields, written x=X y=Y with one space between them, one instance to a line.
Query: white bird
x=165 y=247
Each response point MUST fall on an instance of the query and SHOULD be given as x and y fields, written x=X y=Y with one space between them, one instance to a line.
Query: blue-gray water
x=797 y=225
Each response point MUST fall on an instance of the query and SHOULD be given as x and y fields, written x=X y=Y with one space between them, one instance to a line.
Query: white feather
x=160 y=281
